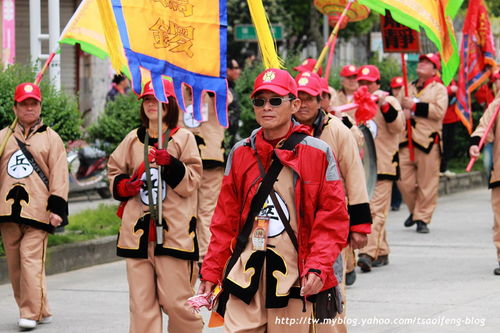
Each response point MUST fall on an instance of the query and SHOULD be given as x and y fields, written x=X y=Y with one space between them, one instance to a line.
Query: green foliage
x=59 y=110
x=118 y=119
x=88 y=224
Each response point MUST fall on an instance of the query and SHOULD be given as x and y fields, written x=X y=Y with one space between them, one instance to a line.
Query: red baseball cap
x=307 y=66
x=276 y=80
x=167 y=86
x=27 y=90
x=325 y=88
x=309 y=83
x=369 y=73
x=432 y=57
x=397 y=82
x=349 y=70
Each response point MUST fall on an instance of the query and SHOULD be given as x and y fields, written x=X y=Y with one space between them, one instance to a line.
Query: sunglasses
x=274 y=101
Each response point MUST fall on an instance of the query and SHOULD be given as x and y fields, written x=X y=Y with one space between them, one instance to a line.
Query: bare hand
x=205 y=288
x=474 y=151
x=311 y=284
x=358 y=240
x=55 y=219
x=407 y=113
x=407 y=102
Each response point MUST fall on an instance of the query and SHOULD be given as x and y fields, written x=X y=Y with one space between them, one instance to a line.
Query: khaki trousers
x=495 y=203
x=208 y=193
x=161 y=283
x=419 y=183
x=381 y=201
x=25 y=250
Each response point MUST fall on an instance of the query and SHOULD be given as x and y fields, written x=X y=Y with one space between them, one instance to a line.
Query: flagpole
x=334 y=41
x=159 y=201
x=333 y=36
x=38 y=79
x=408 y=121
x=483 y=138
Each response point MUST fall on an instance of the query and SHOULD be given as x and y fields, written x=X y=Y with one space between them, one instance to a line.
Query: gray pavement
x=439 y=282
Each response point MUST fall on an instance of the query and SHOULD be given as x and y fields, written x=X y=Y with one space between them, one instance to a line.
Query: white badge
x=19 y=166
x=154 y=184
x=276 y=226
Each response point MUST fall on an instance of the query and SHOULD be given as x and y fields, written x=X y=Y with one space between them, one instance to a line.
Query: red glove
x=129 y=187
x=161 y=156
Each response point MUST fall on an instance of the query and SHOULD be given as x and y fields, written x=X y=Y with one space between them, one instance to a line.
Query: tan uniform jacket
x=493 y=136
x=429 y=113
x=348 y=118
x=26 y=199
x=344 y=147
x=182 y=179
x=209 y=135
x=390 y=126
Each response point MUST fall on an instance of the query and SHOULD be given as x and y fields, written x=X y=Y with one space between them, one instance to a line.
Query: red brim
x=309 y=91
x=271 y=87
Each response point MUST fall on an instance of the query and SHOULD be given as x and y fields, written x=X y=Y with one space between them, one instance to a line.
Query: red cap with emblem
x=27 y=90
x=368 y=73
x=307 y=66
x=276 y=80
x=397 y=82
x=309 y=83
x=148 y=89
x=349 y=70
x=432 y=57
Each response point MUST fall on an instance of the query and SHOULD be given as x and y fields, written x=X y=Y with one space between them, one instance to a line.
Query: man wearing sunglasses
x=332 y=130
x=273 y=278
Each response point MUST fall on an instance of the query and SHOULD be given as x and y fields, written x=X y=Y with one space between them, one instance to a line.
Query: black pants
x=448 y=144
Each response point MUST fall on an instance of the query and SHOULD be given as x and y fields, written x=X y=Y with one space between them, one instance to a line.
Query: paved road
x=442 y=277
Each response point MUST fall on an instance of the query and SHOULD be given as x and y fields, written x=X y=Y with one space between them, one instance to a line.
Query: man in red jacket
x=267 y=285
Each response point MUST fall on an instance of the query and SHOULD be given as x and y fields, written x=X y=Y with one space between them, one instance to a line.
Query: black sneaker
x=422 y=227
x=350 y=278
x=365 y=262
x=496 y=271
x=381 y=261
x=409 y=221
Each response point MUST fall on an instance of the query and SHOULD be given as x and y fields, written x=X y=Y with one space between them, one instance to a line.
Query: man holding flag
x=425 y=108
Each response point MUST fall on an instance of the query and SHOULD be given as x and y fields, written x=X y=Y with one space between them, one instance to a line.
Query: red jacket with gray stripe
x=323 y=222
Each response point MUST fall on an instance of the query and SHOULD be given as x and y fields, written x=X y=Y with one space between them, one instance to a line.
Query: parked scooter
x=87 y=169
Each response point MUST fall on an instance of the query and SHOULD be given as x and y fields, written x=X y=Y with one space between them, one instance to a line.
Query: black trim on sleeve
x=474 y=141
x=390 y=115
x=347 y=122
x=422 y=110
x=212 y=164
x=359 y=214
x=314 y=270
x=174 y=173
x=59 y=206
x=117 y=179
x=494 y=184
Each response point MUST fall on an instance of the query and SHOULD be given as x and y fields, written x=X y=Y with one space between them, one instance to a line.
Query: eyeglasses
x=274 y=101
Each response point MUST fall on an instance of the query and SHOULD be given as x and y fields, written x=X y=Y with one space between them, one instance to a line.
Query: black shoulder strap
x=260 y=198
x=33 y=163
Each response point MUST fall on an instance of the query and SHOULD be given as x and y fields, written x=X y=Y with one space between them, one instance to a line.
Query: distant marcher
x=389 y=121
x=234 y=107
x=450 y=123
x=396 y=198
x=424 y=108
x=34 y=192
x=119 y=86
